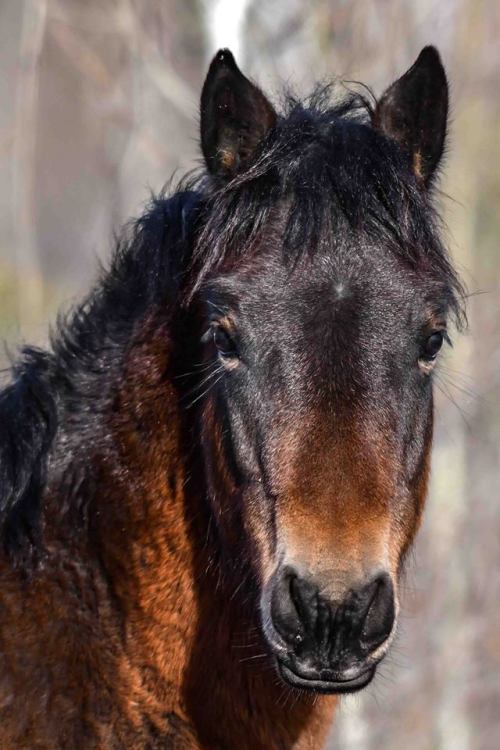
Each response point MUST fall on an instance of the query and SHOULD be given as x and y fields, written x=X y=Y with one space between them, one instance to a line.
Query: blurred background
x=98 y=106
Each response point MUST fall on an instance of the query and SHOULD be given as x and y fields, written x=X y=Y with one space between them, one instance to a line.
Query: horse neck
x=140 y=515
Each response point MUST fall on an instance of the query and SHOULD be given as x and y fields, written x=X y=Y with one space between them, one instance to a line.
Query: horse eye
x=432 y=345
x=223 y=342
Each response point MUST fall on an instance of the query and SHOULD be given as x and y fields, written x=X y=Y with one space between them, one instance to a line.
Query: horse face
x=323 y=418
x=317 y=423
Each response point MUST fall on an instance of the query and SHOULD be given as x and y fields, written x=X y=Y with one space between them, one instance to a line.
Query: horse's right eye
x=224 y=343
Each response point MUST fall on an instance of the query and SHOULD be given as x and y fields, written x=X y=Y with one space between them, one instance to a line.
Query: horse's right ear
x=235 y=117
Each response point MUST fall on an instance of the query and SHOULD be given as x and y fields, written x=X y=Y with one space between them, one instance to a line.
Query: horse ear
x=235 y=117
x=414 y=110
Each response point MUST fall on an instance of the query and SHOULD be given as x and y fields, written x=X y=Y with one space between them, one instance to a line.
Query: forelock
x=324 y=169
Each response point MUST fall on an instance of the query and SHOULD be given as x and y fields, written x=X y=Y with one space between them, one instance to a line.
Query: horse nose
x=334 y=635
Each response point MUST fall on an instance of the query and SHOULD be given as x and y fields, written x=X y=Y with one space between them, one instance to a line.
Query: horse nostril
x=305 y=598
x=380 y=613
x=294 y=607
x=283 y=610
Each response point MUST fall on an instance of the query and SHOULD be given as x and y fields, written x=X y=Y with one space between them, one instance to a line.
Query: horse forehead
x=338 y=271
x=331 y=293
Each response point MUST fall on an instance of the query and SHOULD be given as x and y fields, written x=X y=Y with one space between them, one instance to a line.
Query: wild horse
x=209 y=484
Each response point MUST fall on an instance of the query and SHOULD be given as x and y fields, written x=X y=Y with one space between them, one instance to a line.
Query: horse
x=210 y=480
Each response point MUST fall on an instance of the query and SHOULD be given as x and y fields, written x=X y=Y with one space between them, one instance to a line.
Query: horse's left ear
x=235 y=117
x=414 y=111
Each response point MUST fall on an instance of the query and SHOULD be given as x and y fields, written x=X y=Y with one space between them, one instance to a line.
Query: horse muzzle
x=327 y=646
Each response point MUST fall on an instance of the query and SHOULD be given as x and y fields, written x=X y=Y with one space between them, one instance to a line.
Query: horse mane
x=28 y=420
x=87 y=350
x=323 y=162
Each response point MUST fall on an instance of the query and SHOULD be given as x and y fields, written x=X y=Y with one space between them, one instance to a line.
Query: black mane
x=69 y=387
x=323 y=164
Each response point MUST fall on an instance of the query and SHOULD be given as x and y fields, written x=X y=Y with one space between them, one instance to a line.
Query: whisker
x=214 y=383
x=441 y=385
x=210 y=375
x=462 y=389
x=252 y=658
x=216 y=371
x=202 y=367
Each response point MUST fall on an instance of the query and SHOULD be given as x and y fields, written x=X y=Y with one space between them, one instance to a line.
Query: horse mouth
x=329 y=686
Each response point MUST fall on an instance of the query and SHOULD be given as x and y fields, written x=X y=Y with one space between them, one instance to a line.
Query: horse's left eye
x=433 y=345
x=224 y=343
x=430 y=350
